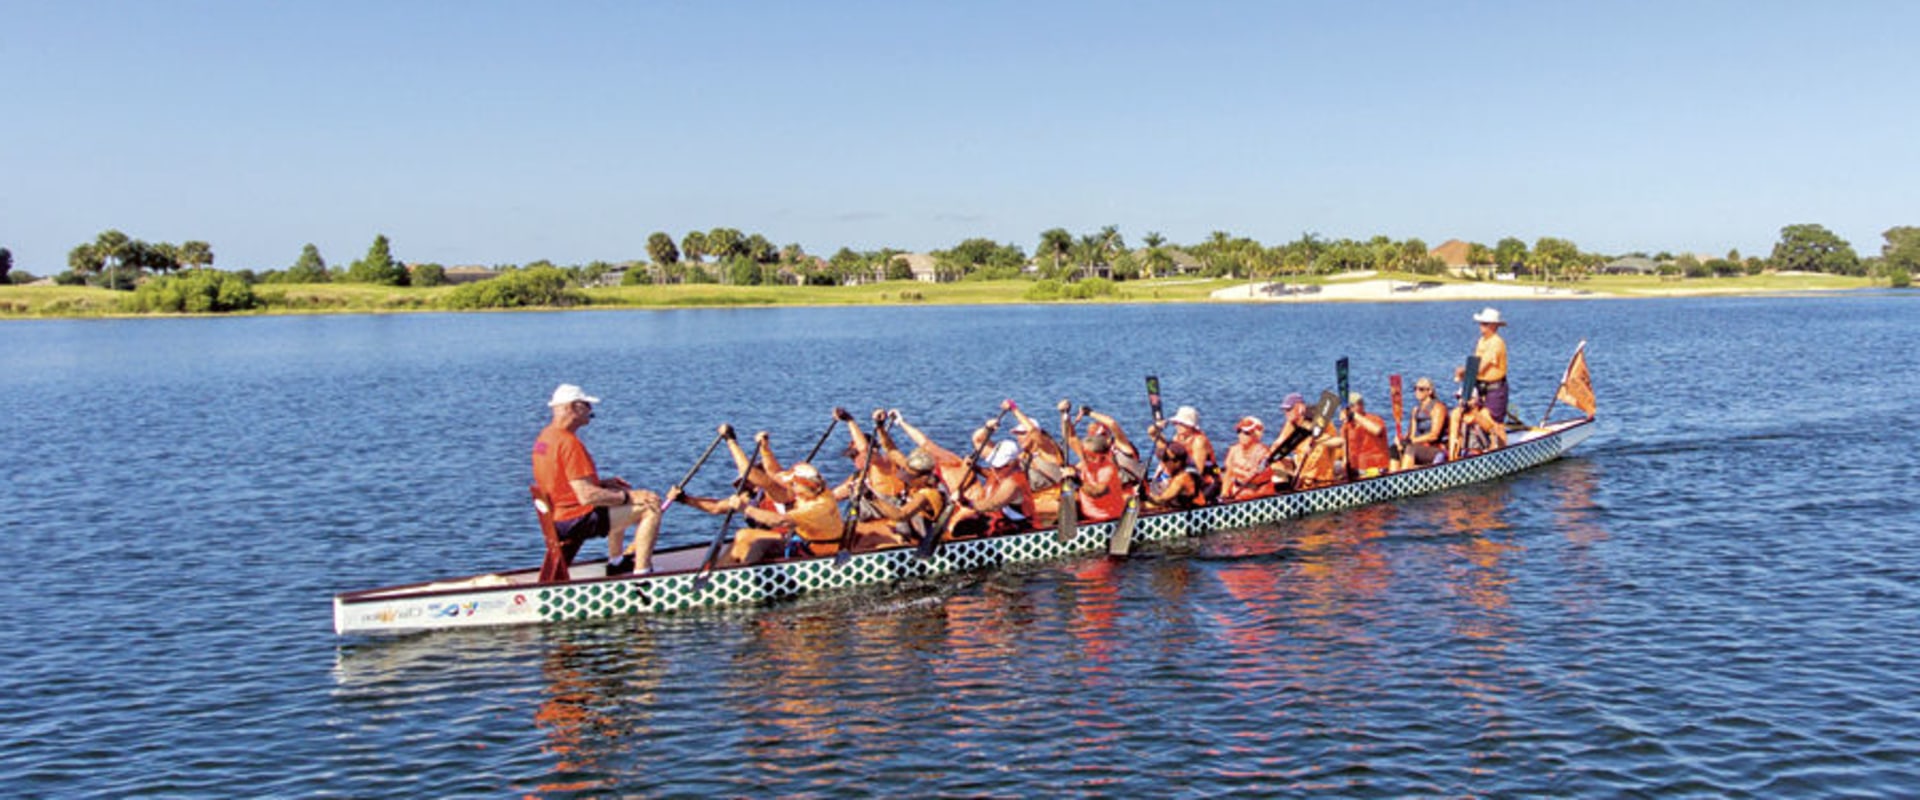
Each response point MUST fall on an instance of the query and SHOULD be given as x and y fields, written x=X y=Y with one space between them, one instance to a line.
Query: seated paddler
x=808 y=526
x=1103 y=489
x=1001 y=501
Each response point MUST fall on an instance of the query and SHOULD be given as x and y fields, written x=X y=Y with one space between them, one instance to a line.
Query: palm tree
x=1057 y=243
x=693 y=246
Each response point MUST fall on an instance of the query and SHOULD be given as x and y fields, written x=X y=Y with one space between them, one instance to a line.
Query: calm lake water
x=1718 y=595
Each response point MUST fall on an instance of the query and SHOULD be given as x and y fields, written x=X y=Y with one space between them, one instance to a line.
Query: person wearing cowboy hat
x=1492 y=352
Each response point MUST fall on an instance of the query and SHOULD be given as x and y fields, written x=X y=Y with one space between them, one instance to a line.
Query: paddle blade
x=1394 y=396
x=1323 y=410
x=1471 y=377
x=1122 y=540
x=1153 y=396
x=1069 y=522
x=1340 y=374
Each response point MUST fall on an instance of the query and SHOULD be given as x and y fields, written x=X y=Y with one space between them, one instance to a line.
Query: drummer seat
x=559 y=554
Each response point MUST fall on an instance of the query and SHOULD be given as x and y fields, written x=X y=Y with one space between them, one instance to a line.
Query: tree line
x=730 y=256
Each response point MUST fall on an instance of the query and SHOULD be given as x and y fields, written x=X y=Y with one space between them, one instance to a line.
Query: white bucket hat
x=1187 y=416
x=568 y=394
x=1489 y=316
x=1002 y=454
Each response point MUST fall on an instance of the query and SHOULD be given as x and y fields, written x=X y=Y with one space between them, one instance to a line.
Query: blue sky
x=492 y=132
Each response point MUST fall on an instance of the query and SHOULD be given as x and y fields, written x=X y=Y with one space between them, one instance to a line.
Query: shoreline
x=40 y=302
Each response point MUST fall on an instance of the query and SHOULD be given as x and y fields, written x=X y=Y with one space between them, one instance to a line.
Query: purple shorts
x=1495 y=399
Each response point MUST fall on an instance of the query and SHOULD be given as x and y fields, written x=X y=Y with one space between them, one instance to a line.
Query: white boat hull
x=518 y=598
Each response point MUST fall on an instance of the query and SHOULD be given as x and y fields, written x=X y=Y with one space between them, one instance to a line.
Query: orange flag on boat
x=1576 y=389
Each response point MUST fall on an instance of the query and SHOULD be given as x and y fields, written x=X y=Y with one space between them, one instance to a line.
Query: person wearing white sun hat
x=1492 y=352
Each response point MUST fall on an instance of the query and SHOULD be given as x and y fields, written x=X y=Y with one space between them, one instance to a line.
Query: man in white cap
x=1492 y=352
x=585 y=505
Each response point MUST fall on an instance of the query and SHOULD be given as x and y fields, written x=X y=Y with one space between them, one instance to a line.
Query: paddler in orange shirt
x=1044 y=462
x=1246 y=475
x=812 y=520
x=1103 y=491
x=1366 y=439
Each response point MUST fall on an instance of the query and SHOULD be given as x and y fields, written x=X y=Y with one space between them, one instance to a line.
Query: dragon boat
x=677 y=582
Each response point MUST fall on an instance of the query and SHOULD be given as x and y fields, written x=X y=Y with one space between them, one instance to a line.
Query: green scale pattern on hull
x=775 y=582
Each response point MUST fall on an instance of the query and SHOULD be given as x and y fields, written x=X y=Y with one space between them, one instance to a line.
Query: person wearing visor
x=809 y=525
x=585 y=505
x=1427 y=439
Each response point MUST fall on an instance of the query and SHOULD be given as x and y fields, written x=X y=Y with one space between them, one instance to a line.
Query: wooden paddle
x=1122 y=540
x=848 y=528
x=932 y=542
x=1068 y=522
x=1394 y=396
x=740 y=488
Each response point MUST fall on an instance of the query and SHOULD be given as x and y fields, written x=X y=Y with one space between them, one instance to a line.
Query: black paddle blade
x=1340 y=376
x=1324 y=409
x=1471 y=380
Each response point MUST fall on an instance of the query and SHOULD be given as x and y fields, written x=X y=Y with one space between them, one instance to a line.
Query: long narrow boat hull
x=518 y=597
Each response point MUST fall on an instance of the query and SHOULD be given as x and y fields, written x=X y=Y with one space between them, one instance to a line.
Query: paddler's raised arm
x=880 y=434
x=920 y=440
x=1068 y=432
x=1120 y=439
x=853 y=431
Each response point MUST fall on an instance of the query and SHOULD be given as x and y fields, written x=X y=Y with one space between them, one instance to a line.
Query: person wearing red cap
x=585 y=505
x=1247 y=475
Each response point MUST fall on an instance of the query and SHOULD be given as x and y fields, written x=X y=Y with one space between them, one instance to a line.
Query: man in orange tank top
x=586 y=506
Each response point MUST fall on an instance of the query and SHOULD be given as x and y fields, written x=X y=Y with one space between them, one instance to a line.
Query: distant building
x=1454 y=253
x=1630 y=265
x=922 y=266
x=1184 y=263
